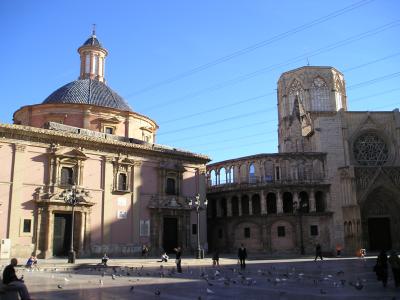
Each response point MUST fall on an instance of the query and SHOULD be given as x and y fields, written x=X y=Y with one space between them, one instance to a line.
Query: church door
x=379 y=234
x=170 y=234
x=61 y=234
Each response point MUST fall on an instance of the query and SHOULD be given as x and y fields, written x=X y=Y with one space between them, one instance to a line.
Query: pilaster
x=137 y=183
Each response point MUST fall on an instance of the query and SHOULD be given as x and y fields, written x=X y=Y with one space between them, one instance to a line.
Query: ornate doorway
x=170 y=234
x=61 y=234
x=379 y=234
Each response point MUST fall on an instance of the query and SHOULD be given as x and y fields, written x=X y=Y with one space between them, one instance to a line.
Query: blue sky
x=191 y=65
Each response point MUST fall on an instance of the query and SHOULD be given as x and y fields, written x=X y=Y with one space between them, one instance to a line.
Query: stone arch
x=235 y=206
x=230 y=175
x=213 y=177
x=252 y=173
x=271 y=203
x=256 y=204
x=245 y=205
x=287 y=200
x=285 y=242
x=222 y=176
x=304 y=202
x=295 y=90
x=379 y=219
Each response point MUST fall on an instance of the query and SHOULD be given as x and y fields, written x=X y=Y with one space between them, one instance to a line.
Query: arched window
x=245 y=205
x=213 y=177
x=304 y=203
x=222 y=176
x=339 y=95
x=67 y=176
x=271 y=203
x=319 y=201
x=287 y=203
x=269 y=171
x=252 y=173
x=320 y=100
x=235 y=206
x=256 y=205
x=296 y=91
x=229 y=175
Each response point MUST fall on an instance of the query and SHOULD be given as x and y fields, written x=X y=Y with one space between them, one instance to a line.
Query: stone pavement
x=283 y=279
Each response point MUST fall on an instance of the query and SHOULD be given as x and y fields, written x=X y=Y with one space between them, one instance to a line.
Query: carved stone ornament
x=370 y=150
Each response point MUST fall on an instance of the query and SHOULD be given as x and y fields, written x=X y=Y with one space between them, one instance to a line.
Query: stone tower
x=304 y=94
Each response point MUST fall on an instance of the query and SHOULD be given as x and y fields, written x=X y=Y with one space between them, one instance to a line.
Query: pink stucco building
x=131 y=191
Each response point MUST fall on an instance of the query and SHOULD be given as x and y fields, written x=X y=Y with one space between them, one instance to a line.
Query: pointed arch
x=320 y=95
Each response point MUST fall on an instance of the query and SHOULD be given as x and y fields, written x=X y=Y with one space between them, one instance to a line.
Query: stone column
x=296 y=199
x=311 y=199
x=137 y=183
x=107 y=214
x=48 y=249
x=279 y=202
x=229 y=207
x=263 y=203
x=16 y=196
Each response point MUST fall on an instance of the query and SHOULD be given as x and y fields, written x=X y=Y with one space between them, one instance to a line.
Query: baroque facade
x=335 y=180
x=85 y=138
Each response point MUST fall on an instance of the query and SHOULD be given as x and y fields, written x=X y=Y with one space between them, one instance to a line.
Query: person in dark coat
x=178 y=260
x=10 y=279
x=242 y=255
x=381 y=268
x=394 y=262
x=318 y=252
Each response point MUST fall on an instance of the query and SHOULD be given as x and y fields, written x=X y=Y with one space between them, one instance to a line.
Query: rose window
x=370 y=150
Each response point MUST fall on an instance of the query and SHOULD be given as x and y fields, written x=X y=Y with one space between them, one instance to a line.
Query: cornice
x=48 y=136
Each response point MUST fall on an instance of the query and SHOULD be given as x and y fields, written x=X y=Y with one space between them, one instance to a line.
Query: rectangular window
x=277 y=173
x=170 y=190
x=281 y=231
x=194 y=228
x=109 y=130
x=144 y=227
x=67 y=175
x=27 y=226
x=314 y=230
x=122 y=182
x=247 y=232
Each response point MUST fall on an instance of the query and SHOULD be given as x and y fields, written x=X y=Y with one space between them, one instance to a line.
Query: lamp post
x=70 y=197
x=299 y=210
x=197 y=206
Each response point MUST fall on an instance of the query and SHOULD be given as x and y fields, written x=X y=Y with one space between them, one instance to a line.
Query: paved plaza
x=346 y=278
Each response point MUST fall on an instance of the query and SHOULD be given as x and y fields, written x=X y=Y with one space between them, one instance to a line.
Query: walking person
x=215 y=258
x=178 y=260
x=242 y=255
x=318 y=252
x=10 y=279
x=381 y=268
x=394 y=262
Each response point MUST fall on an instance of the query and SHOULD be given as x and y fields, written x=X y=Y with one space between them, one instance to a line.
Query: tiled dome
x=92 y=41
x=88 y=91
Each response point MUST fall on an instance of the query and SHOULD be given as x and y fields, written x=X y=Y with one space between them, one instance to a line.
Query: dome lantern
x=92 y=58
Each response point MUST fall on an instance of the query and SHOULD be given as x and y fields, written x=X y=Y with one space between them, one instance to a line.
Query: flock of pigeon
x=211 y=283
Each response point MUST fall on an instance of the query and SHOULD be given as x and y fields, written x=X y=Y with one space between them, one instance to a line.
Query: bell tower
x=304 y=94
x=92 y=58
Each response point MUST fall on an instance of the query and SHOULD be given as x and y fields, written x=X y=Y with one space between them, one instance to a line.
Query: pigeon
x=157 y=293
x=101 y=282
x=209 y=291
x=66 y=279
x=131 y=289
x=359 y=286
x=59 y=286
x=113 y=276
